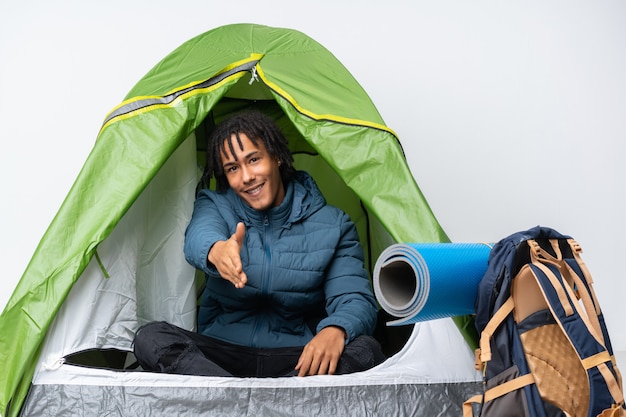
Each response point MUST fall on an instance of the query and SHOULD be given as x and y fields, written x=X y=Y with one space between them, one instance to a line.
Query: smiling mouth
x=255 y=190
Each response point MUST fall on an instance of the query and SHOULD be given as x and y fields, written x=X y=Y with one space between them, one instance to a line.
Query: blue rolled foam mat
x=425 y=281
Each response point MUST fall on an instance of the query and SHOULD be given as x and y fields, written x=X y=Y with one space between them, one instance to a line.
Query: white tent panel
x=107 y=304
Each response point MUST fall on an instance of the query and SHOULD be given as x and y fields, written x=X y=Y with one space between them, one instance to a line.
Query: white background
x=512 y=114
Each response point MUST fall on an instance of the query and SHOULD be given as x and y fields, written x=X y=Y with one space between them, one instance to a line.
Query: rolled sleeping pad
x=426 y=281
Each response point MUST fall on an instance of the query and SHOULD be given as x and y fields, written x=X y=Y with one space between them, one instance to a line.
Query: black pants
x=163 y=347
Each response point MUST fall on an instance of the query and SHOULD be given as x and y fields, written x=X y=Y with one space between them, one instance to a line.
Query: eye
x=231 y=168
x=254 y=159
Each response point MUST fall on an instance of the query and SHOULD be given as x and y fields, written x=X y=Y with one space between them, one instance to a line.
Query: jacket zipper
x=266 y=268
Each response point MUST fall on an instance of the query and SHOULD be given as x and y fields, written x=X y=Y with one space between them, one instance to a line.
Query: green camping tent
x=334 y=130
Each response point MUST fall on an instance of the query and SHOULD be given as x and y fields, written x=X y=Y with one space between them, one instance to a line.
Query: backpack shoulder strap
x=562 y=287
x=492 y=325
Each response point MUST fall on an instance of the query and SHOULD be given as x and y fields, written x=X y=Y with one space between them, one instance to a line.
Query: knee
x=147 y=338
x=153 y=344
x=369 y=344
x=149 y=330
x=361 y=354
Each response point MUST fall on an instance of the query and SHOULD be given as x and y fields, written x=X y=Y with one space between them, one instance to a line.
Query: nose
x=247 y=174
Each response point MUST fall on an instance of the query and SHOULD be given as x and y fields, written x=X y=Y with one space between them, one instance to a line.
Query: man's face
x=253 y=174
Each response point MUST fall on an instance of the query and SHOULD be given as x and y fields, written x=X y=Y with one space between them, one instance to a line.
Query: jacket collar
x=302 y=197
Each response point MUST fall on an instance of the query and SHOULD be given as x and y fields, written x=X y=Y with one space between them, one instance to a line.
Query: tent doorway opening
x=372 y=234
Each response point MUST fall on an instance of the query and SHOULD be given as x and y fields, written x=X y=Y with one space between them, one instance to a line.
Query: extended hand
x=226 y=256
x=321 y=355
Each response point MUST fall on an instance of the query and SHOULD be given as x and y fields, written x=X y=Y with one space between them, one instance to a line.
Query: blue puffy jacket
x=304 y=264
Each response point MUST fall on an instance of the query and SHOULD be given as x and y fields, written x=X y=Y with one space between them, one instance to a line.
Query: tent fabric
x=365 y=400
x=145 y=157
x=425 y=378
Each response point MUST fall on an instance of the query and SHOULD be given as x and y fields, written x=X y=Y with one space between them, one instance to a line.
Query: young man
x=286 y=290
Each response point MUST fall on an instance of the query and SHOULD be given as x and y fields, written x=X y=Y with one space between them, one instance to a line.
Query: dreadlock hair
x=257 y=127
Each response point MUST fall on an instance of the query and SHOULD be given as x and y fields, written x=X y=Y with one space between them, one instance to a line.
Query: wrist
x=209 y=257
x=344 y=334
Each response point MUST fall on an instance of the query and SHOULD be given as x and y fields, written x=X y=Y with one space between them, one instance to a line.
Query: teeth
x=254 y=190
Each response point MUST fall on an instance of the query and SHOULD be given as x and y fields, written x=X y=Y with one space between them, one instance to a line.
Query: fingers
x=238 y=277
x=235 y=274
x=308 y=363
x=303 y=365
x=232 y=269
x=239 y=234
x=321 y=355
x=225 y=255
x=316 y=363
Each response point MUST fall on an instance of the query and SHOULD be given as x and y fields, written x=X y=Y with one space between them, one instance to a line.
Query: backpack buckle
x=534 y=247
x=478 y=363
x=575 y=246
